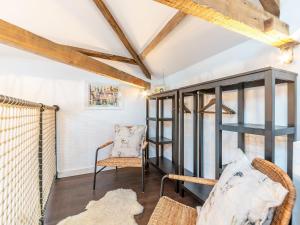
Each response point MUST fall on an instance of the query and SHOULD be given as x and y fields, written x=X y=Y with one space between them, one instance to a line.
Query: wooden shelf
x=201 y=192
x=164 y=165
x=160 y=119
x=161 y=140
x=258 y=129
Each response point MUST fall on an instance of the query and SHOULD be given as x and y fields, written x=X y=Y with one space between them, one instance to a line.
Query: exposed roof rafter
x=17 y=37
x=271 y=6
x=173 y=22
x=240 y=16
x=103 y=55
x=115 y=26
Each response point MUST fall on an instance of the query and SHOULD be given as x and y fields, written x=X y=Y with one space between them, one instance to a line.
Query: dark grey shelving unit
x=258 y=129
x=160 y=141
x=160 y=119
x=201 y=192
x=164 y=165
x=160 y=162
x=266 y=77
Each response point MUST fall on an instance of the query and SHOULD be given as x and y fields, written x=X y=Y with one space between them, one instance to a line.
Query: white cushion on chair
x=242 y=196
x=128 y=140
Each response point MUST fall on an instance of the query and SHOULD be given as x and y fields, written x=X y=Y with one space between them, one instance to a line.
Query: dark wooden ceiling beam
x=115 y=26
x=271 y=6
x=103 y=55
x=20 y=38
x=240 y=16
x=173 y=22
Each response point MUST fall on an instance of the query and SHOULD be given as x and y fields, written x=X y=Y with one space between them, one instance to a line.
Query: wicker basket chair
x=168 y=211
x=116 y=162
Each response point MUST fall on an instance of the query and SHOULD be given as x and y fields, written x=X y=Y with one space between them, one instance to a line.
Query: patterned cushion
x=128 y=140
x=242 y=196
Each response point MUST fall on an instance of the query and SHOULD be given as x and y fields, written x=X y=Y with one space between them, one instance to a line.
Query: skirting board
x=76 y=172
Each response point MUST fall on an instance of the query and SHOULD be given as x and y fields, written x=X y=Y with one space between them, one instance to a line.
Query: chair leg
x=116 y=169
x=147 y=167
x=95 y=169
x=95 y=175
x=143 y=179
x=143 y=171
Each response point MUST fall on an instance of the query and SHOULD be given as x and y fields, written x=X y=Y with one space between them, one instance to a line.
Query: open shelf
x=161 y=140
x=164 y=165
x=258 y=129
x=160 y=119
x=163 y=116
x=200 y=191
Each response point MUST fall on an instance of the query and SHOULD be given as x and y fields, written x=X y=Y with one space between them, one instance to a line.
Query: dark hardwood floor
x=69 y=196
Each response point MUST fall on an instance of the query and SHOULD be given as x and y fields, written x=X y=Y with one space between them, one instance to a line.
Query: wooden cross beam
x=271 y=6
x=103 y=55
x=115 y=26
x=174 y=21
x=17 y=37
x=240 y=16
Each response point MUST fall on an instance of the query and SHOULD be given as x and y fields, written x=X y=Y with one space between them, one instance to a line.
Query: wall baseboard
x=76 y=172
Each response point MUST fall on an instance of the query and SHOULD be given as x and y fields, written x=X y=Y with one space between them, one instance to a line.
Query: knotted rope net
x=27 y=160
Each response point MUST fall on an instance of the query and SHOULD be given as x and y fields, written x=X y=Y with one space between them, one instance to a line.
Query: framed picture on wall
x=104 y=96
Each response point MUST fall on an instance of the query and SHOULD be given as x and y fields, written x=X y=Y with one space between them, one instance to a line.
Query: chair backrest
x=144 y=135
x=283 y=213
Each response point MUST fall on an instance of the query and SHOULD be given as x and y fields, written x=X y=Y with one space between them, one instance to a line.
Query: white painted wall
x=80 y=130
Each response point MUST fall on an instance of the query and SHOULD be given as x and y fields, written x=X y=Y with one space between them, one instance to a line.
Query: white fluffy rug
x=117 y=207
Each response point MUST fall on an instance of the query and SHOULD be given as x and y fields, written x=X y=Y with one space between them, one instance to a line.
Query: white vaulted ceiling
x=80 y=23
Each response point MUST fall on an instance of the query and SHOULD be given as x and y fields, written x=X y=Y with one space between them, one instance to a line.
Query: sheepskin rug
x=117 y=207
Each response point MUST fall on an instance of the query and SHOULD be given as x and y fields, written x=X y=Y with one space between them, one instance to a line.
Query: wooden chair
x=121 y=162
x=168 y=211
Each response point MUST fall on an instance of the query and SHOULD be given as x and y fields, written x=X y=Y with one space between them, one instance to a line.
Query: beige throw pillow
x=242 y=196
x=128 y=141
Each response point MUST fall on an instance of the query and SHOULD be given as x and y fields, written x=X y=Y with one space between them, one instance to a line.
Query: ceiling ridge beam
x=240 y=16
x=20 y=38
x=102 y=55
x=115 y=26
x=171 y=24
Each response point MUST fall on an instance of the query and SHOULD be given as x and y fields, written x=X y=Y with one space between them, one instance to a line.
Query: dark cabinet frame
x=267 y=78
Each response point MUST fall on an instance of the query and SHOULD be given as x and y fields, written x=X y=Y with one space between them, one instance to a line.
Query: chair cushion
x=244 y=194
x=168 y=211
x=128 y=140
x=121 y=162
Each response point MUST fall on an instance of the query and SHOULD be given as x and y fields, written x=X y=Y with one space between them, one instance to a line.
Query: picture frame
x=104 y=96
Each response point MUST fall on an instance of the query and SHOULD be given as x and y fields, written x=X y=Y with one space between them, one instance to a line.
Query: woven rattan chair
x=120 y=162
x=168 y=211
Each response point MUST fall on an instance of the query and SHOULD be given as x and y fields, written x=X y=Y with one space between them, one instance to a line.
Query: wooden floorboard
x=69 y=196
